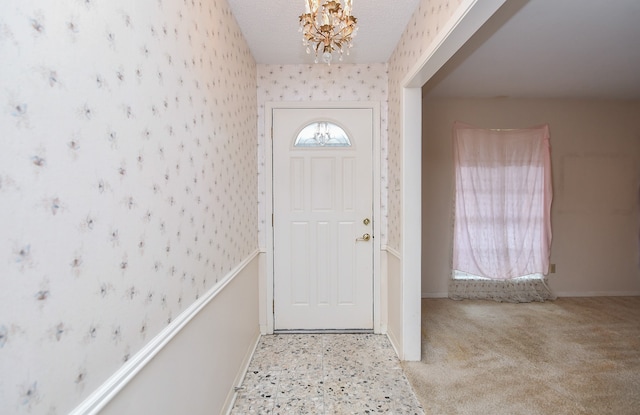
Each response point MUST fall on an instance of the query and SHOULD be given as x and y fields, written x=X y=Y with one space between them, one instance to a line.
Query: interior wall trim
x=435 y=295
x=242 y=374
x=597 y=293
x=461 y=26
x=559 y=294
x=392 y=251
x=109 y=389
x=267 y=278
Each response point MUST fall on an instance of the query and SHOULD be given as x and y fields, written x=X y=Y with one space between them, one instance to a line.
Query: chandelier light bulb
x=328 y=27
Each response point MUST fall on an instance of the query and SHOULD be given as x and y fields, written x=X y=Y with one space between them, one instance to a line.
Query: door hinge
x=272 y=220
x=273 y=306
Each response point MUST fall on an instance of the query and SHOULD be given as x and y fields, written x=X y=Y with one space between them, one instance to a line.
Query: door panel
x=323 y=276
x=322 y=184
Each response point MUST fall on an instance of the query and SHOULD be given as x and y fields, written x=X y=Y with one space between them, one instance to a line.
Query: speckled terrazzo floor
x=325 y=374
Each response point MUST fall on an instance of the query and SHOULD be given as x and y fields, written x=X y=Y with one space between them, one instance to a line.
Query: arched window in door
x=322 y=134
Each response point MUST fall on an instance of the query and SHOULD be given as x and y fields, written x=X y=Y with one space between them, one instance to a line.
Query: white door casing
x=468 y=17
x=323 y=210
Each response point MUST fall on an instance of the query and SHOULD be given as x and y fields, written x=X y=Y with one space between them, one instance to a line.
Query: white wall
x=392 y=265
x=431 y=19
x=195 y=373
x=127 y=183
x=595 y=154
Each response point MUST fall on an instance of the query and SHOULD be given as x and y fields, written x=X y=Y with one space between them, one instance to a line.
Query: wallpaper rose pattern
x=277 y=83
x=427 y=21
x=128 y=177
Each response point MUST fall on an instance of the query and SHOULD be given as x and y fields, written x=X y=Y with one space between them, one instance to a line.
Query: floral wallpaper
x=426 y=23
x=127 y=182
x=342 y=82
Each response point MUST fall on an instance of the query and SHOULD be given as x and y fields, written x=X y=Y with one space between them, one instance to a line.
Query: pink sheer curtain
x=502 y=227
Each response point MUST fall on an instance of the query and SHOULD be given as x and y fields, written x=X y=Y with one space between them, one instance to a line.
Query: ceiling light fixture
x=328 y=28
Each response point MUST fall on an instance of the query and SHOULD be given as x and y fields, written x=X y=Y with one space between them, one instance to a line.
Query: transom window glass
x=322 y=134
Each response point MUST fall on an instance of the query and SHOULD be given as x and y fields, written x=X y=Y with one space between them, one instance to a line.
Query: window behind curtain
x=502 y=227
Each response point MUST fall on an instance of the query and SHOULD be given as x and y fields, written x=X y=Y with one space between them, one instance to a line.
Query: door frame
x=467 y=19
x=267 y=280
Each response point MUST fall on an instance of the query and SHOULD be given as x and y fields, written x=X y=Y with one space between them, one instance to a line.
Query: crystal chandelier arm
x=346 y=32
x=328 y=27
x=347 y=7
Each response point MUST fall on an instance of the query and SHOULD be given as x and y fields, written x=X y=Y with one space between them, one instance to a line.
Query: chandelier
x=327 y=28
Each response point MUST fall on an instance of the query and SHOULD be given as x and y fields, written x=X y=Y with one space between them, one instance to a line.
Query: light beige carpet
x=569 y=356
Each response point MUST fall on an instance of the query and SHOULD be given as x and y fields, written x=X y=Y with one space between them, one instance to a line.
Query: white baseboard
x=435 y=295
x=597 y=293
x=105 y=393
x=242 y=373
x=562 y=294
x=397 y=346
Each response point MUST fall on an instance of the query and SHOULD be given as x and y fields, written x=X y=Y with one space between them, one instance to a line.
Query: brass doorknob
x=365 y=237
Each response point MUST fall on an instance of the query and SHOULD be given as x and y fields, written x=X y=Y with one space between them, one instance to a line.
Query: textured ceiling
x=271 y=29
x=550 y=48
x=530 y=48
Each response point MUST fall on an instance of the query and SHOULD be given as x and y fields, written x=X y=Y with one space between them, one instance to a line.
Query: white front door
x=323 y=218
